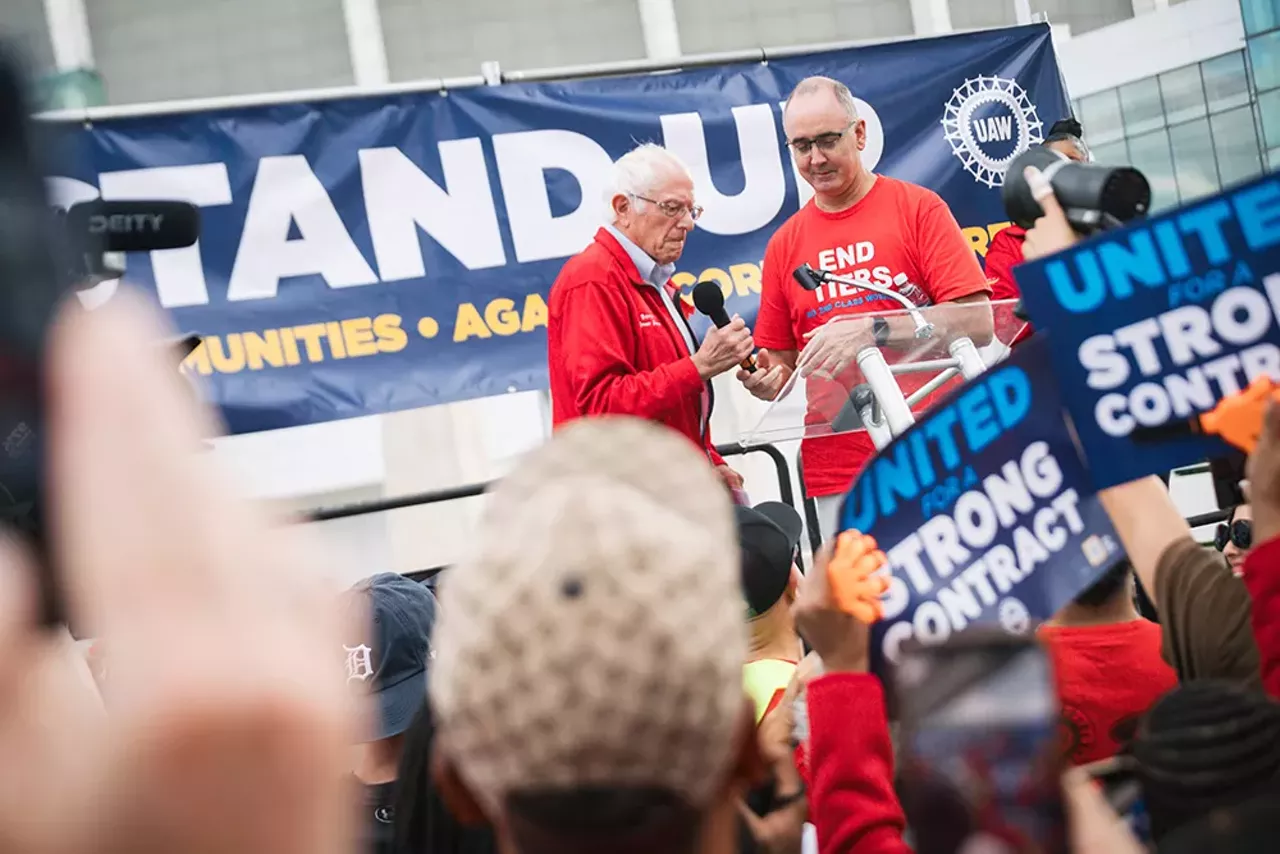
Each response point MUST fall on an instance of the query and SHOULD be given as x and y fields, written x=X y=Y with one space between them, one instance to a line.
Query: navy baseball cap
x=391 y=661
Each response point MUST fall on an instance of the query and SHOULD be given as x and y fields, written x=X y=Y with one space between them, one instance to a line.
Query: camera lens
x=1094 y=197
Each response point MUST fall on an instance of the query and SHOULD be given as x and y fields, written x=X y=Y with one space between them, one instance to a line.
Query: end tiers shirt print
x=899 y=235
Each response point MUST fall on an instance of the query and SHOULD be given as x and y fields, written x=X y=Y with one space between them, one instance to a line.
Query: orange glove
x=1238 y=418
x=854 y=588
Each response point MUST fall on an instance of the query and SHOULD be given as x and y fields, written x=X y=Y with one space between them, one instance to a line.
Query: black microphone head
x=142 y=226
x=807 y=277
x=708 y=298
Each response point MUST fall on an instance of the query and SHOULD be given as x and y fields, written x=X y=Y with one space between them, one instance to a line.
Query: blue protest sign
x=984 y=510
x=364 y=255
x=1152 y=325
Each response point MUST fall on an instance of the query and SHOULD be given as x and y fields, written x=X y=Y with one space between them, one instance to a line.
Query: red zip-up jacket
x=850 y=767
x=613 y=348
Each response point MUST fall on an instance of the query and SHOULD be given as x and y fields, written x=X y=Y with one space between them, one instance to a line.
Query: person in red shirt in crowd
x=618 y=338
x=1261 y=569
x=1005 y=251
x=1108 y=667
x=858 y=224
x=848 y=759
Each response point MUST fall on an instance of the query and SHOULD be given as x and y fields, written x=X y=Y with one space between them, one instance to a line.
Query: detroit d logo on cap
x=988 y=122
x=359 y=662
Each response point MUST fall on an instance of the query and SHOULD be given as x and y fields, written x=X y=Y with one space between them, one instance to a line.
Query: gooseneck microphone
x=709 y=300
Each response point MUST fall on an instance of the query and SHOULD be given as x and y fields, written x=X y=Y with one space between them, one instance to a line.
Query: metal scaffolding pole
x=445 y=84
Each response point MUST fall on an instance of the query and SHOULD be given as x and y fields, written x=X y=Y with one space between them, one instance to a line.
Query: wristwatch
x=880 y=327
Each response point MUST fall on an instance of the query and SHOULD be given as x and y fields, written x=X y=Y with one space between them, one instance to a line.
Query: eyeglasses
x=672 y=208
x=1239 y=534
x=824 y=141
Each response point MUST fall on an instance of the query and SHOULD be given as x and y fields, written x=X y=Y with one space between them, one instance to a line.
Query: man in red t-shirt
x=865 y=226
x=1108 y=667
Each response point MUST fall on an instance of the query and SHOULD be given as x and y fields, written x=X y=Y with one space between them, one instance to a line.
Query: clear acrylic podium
x=844 y=383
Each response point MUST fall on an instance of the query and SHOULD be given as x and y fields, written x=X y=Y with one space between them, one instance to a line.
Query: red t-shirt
x=1107 y=676
x=1005 y=253
x=897 y=229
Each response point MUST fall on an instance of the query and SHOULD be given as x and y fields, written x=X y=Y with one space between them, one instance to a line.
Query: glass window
x=1236 y=143
x=1225 y=82
x=1194 y=163
x=1112 y=153
x=1140 y=103
x=1264 y=54
x=1273 y=157
x=1100 y=115
x=1150 y=155
x=1260 y=15
x=1269 y=116
x=1183 y=94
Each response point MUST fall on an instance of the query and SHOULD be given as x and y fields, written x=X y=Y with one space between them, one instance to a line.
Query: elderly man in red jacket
x=618 y=338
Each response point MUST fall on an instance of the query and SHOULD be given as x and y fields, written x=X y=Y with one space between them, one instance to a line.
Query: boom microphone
x=709 y=299
x=135 y=226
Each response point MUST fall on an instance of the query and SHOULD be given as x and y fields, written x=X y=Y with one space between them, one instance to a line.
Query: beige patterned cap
x=596 y=637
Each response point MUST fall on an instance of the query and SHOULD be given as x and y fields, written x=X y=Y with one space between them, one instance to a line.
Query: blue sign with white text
x=984 y=510
x=1153 y=324
x=365 y=255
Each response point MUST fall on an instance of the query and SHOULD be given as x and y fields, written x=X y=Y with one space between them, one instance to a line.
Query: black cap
x=1251 y=827
x=768 y=535
x=1205 y=745
x=391 y=661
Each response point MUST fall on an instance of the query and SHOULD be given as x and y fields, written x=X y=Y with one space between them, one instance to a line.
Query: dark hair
x=1206 y=745
x=1068 y=128
x=1112 y=584
x=618 y=819
x=423 y=824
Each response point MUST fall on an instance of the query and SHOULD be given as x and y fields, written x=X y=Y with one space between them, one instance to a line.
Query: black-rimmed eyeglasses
x=823 y=141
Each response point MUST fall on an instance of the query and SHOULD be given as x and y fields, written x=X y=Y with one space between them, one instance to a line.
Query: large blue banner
x=389 y=252
x=984 y=509
x=1154 y=324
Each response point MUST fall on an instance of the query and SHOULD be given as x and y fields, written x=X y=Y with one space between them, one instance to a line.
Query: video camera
x=1094 y=197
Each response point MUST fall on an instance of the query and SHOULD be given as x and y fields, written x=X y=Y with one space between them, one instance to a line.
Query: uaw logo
x=989 y=121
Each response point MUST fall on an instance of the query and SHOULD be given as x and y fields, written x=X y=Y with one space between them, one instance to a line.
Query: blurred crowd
x=628 y=662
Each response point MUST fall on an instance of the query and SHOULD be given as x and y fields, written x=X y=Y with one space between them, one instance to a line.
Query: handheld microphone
x=135 y=226
x=709 y=300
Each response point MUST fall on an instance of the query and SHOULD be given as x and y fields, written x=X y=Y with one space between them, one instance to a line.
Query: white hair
x=640 y=171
